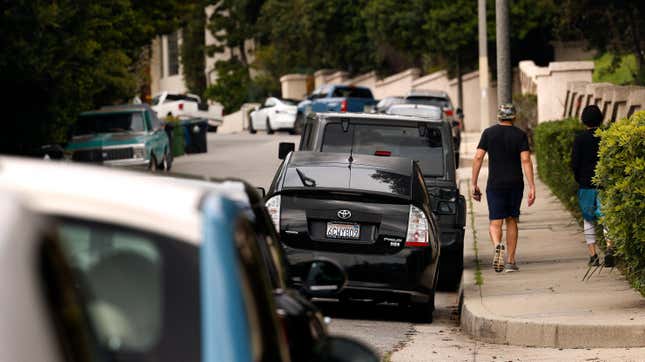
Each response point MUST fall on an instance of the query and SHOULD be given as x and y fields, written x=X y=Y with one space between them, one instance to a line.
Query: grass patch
x=479 y=280
x=613 y=69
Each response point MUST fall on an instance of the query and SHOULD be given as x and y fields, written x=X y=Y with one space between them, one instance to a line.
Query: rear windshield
x=421 y=144
x=433 y=101
x=419 y=111
x=341 y=177
x=179 y=97
x=351 y=92
x=109 y=123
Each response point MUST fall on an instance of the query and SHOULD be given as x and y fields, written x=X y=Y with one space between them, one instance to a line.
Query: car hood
x=101 y=140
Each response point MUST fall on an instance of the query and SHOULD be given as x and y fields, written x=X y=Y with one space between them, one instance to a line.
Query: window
x=352 y=92
x=109 y=123
x=173 y=54
x=141 y=290
x=341 y=177
x=420 y=144
x=269 y=103
x=432 y=101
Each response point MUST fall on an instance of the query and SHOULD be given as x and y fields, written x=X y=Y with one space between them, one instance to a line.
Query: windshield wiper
x=306 y=181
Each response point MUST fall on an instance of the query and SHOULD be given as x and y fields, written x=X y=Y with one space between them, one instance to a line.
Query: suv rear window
x=424 y=145
x=433 y=101
x=341 y=177
x=351 y=92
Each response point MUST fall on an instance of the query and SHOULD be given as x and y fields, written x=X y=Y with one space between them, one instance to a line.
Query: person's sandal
x=498 y=259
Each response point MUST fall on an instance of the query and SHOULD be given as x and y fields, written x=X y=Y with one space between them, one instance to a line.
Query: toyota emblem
x=344 y=214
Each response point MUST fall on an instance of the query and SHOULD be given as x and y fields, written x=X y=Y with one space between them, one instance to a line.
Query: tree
x=616 y=26
x=60 y=58
x=193 y=49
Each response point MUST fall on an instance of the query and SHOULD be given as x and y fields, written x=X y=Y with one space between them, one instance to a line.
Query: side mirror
x=322 y=278
x=284 y=148
x=261 y=191
x=343 y=349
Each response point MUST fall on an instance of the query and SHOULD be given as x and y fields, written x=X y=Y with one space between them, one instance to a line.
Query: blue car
x=110 y=271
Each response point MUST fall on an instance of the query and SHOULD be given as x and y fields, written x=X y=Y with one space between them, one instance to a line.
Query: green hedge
x=553 y=144
x=621 y=176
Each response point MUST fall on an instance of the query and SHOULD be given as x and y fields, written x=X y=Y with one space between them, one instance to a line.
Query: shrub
x=620 y=173
x=553 y=144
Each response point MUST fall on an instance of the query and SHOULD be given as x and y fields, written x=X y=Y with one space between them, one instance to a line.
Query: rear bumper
x=408 y=275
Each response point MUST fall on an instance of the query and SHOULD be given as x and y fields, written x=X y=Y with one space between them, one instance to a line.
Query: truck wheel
x=212 y=129
x=422 y=312
x=152 y=166
x=166 y=163
x=269 y=129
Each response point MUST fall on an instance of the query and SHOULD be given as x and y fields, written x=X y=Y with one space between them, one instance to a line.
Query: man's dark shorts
x=504 y=203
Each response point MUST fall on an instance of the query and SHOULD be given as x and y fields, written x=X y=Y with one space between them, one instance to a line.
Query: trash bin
x=195 y=131
x=175 y=137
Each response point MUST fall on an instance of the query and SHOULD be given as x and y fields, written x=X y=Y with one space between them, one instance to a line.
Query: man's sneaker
x=511 y=267
x=498 y=259
x=609 y=260
x=593 y=260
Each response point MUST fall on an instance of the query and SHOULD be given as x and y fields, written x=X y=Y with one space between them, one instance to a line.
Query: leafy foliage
x=616 y=70
x=616 y=26
x=61 y=57
x=233 y=81
x=620 y=173
x=553 y=145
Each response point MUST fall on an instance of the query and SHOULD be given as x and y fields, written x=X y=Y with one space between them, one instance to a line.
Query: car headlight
x=139 y=152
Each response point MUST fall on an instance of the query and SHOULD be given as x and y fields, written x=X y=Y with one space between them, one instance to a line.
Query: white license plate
x=343 y=231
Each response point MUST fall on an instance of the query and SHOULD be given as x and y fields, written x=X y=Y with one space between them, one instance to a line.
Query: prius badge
x=344 y=214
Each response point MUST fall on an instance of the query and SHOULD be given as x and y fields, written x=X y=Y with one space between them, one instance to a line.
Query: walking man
x=508 y=153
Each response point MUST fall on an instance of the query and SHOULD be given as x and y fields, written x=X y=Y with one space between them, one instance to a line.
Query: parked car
x=426 y=140
x=440 y=99
x=305 y=324
x=186 y=106
x=127 y=135
x=274 y=114
x=335 y=98
x=386 y=102
x=370 y=214
x=119 y=275
x=425 y=111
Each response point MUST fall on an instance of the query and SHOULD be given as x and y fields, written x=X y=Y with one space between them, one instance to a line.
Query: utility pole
x=483 y=66
x=504 y=76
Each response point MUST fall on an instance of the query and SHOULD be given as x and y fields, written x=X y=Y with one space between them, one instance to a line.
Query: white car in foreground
x=274 y=114
x=187 y=106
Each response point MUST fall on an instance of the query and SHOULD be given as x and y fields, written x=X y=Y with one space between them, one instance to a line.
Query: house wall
x=294 y=86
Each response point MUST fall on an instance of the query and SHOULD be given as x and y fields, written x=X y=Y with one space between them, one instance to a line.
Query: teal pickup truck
x=126 y=135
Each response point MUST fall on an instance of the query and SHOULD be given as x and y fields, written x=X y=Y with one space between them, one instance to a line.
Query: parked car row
x=102 y=269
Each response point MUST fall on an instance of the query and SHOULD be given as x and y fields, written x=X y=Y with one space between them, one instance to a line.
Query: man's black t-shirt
x=504 y=145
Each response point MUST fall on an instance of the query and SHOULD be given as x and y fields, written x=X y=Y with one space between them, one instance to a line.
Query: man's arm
x=477 y=165
x=527 y=166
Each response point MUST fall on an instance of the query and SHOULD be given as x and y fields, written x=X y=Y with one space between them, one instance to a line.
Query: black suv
x=427 y=141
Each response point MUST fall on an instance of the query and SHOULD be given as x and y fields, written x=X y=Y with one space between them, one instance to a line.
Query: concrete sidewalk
x=546 y=303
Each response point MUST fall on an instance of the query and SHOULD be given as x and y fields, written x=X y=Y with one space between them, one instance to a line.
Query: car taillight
x=383 y=153
x=448 y=112
x=273 y=206
x=343 y=105
x=181 y=106
x=417 y=228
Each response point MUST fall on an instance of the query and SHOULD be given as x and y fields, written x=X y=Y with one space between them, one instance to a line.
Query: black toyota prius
x=371 y=214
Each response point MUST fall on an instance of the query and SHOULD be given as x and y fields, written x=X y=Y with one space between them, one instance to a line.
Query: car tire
x=298 y=123
x=292 y=131
x=251 y=129
x=166 y=163
x=269 y=129
x=152 y=166
x=451 y=270
x=423 y=312
x=212 y=129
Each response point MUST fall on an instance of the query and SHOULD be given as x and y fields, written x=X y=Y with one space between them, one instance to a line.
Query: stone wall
x=550 y=84
x=294 y=86
x=564 y=89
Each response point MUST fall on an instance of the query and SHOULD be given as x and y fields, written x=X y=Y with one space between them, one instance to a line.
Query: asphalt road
x=385 y=327
x=254 y=158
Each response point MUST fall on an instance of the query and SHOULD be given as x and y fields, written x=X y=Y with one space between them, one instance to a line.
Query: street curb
x=481 y=325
